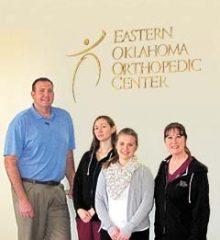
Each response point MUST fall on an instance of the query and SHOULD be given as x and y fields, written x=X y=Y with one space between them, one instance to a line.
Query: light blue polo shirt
x=41 y=144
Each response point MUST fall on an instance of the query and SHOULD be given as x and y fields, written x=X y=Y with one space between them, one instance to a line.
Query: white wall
x=35 y=39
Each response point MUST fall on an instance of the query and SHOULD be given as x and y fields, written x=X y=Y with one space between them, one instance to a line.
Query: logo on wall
x=141 y=58
x=84 y=55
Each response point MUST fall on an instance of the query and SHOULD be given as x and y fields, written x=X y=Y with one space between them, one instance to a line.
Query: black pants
x=143 y=235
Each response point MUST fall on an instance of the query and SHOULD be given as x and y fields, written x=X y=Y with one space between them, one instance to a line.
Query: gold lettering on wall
x=143 y=58
x=148 y=34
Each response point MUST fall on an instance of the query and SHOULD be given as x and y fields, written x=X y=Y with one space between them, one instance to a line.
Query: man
x=38 y=154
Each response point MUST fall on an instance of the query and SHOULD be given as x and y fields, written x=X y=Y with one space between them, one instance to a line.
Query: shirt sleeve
x=14 y=140
x=146 y=204
x=72 y=144
x=101 y=203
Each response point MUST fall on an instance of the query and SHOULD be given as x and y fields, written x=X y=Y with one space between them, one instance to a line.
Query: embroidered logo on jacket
x=183 y=184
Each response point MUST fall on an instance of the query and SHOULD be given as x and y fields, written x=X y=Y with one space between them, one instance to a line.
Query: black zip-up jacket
x=182 y=205
x=85 y=181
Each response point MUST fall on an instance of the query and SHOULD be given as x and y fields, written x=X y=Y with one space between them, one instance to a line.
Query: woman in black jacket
x=102 y=149
x=181 y=191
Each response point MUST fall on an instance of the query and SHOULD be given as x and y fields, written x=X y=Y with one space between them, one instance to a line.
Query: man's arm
x=70 y=171
x=25 y=207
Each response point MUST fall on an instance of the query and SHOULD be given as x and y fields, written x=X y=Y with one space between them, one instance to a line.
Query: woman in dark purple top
x=181 y=191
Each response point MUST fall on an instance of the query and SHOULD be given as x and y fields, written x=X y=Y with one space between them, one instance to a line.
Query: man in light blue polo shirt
x=38 y=155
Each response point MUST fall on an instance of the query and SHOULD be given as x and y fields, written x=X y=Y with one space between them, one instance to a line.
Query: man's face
x=43 y=95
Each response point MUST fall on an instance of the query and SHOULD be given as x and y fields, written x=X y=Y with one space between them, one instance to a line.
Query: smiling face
x=126 y=146
x=43 y=95
x=175 y=141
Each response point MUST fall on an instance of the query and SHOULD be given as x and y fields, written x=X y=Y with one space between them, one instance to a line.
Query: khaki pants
x=51 y=219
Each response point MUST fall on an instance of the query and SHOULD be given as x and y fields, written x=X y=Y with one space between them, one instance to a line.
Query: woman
x=181 y=191
x=101 y=150
x=124 y=194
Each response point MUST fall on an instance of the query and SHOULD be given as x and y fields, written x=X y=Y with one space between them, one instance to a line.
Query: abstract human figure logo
x=85 y=53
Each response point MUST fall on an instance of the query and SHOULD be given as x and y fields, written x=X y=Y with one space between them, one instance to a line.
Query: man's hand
x=26 y=209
